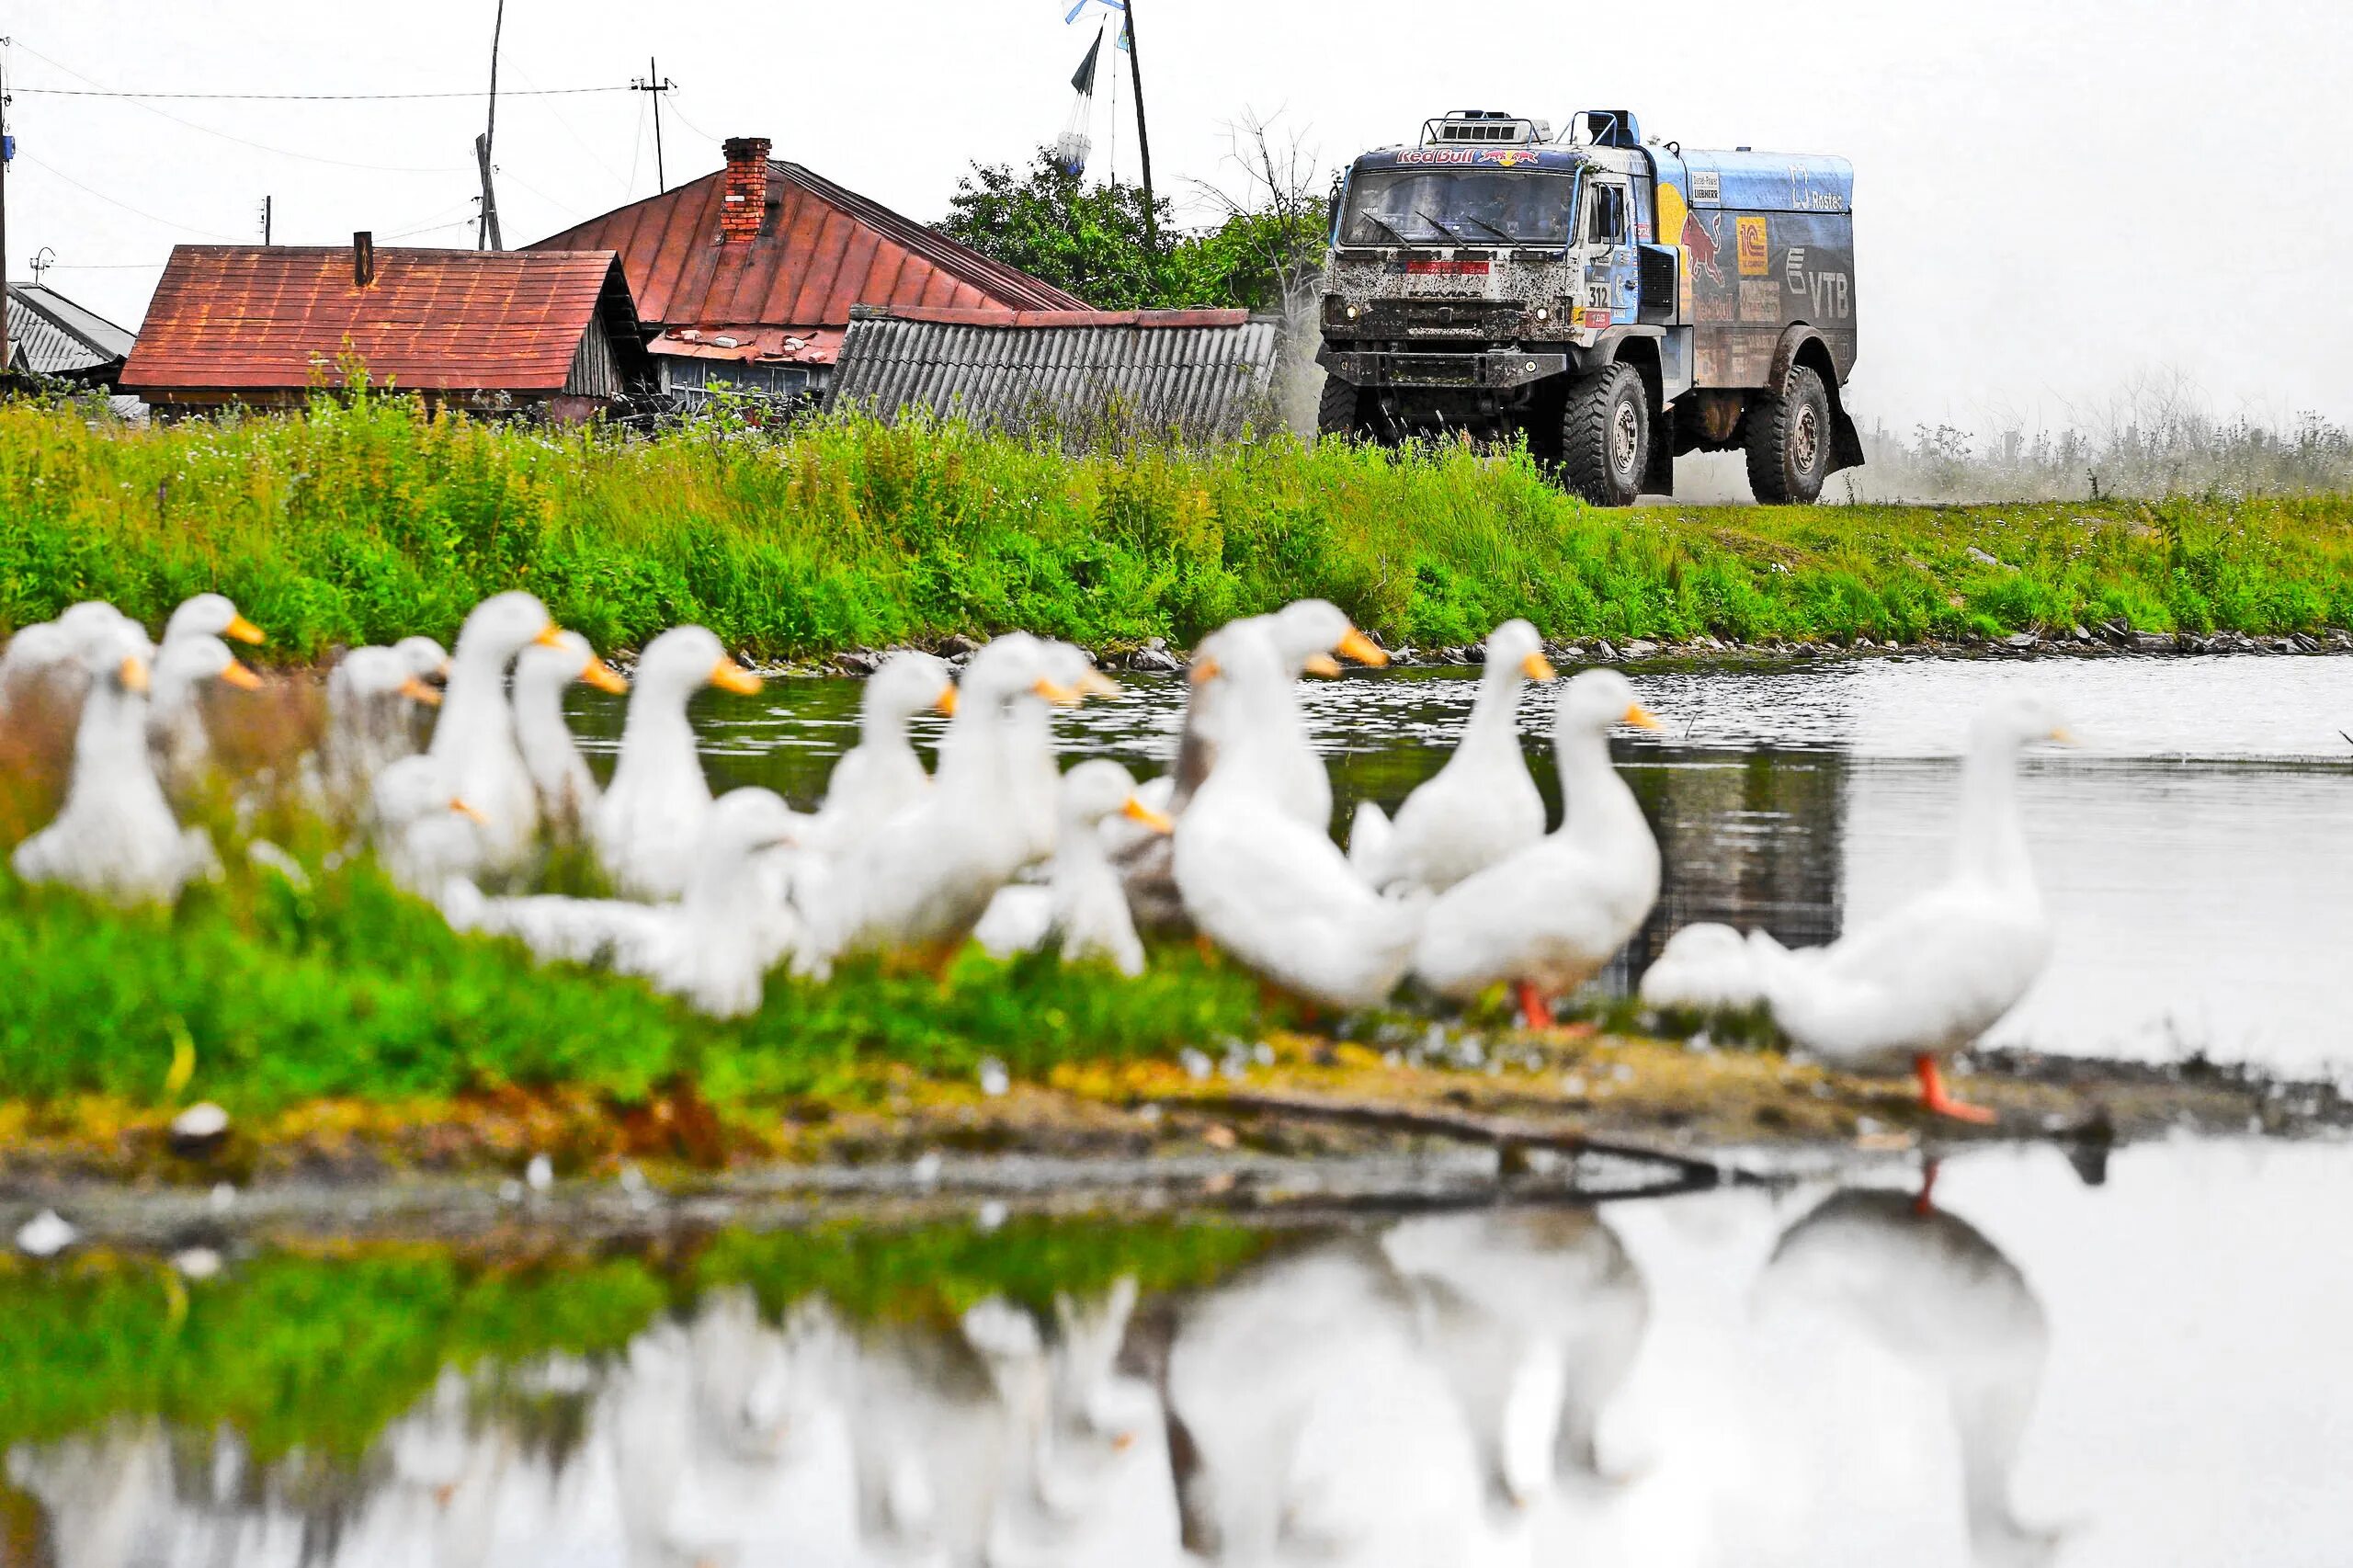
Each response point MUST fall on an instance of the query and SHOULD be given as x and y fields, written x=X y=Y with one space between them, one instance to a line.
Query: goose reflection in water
x=1931 y=1291
x=1506 y=1386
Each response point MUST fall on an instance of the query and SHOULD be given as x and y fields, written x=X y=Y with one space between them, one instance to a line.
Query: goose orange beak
x=1095 y=683
x=729 y=675
x=1640 y=717
x=604 y=677
x=945 y=700
x=245 y=631
x=469 y=812
x=2063 y=735
x=1362 y=649
x=1204 y=671
x=552 y=636
x=417 y=690
x=1536 y=666
x=1158 y=821
x=1322 y=664
x=240 y=677
x=1055 y=692
x=133 y=671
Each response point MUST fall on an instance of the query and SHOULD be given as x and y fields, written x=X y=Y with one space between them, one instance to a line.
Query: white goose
x=1082 y=901
x=916 y=886
x=373 y=696
x=176 y=733
x=713 y=947
x=1271 y=890
x=210 y=615
x=46 y=666
x=115 y=835
x=1478 y=807
x=475 y=738
x=1926 y=980
x=881 y=775
x=646 y=827
x=1549 y=915
x=1931 y=1290
x=543 y=671
x=425 y=832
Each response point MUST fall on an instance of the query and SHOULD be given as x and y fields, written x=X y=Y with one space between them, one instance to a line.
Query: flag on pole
x=1080 y=10
x=1084 y=81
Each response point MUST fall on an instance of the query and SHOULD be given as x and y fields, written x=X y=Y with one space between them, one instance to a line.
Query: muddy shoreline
x=1327 y=1126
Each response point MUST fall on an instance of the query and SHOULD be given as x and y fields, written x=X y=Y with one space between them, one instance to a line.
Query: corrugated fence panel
x=1202 y=381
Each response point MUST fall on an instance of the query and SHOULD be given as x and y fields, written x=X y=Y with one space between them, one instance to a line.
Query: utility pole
x=1143 y=138
x=656 y=83
x=487 y=236
x=7 y=151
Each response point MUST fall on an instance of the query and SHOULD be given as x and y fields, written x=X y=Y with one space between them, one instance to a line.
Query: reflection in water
x=2194 y=850
x=1714 y=1381
x=1933 y=1292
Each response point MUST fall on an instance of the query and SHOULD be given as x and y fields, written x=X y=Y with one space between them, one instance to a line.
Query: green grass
x=321 y=1353
x=362 y=520
x=349 y=988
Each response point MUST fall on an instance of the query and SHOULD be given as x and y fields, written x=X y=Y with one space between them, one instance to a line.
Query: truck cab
x=1614 y=302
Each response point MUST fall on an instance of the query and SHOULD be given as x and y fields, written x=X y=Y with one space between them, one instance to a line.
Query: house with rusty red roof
x=746 y=279
x=552 y=332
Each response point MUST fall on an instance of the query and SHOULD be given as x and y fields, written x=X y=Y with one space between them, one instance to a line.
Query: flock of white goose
x=1464 y=891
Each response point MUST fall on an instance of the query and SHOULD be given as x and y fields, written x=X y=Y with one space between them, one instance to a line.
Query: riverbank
x=363 y=521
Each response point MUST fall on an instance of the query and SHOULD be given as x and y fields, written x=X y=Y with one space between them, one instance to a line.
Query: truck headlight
x=1352 y=312
x=1542 y=314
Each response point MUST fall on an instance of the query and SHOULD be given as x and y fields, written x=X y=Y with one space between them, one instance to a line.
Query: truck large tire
x=1336 y=411
x=1606 y=436
x=1789 y=440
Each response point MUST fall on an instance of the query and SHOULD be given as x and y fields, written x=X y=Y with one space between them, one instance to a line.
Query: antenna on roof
x=487 y=237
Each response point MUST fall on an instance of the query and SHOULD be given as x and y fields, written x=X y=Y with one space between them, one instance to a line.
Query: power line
x=307 y=98
x=126 y=207
x=241 y=141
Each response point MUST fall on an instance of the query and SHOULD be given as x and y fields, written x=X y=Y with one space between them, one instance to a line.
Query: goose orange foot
x=1933 y=1095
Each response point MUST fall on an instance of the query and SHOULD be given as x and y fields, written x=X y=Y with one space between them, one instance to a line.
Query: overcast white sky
x=2052 y=196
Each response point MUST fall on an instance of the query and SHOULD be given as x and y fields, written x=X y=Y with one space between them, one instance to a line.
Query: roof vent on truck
x=1483 y=127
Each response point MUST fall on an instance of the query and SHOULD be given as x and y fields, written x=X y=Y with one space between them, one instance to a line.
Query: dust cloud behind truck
x=1617 y=302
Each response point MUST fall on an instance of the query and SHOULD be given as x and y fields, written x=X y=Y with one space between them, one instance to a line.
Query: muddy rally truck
x=1617 y=302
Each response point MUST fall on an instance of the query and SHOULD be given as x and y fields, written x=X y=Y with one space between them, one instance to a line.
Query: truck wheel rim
x=1625 y=435
x=1805 y=441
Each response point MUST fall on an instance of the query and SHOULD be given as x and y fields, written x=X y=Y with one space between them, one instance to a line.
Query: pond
x=2027 y=1368
x=2196 y=848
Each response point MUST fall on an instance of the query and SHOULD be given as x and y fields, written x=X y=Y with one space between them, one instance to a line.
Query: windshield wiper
x=1490 y=229
x=1435 y=224
x=1394 y=232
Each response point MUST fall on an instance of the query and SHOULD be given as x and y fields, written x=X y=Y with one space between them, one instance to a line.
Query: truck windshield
x=1460 y=206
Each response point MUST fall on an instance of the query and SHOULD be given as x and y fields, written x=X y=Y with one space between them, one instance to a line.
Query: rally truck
x=1616 y=303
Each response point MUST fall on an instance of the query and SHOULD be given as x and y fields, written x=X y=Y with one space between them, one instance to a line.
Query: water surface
x=2196 y=848
x=2149 y=1371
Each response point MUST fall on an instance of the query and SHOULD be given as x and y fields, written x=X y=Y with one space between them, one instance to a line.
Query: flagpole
x=1143 y=138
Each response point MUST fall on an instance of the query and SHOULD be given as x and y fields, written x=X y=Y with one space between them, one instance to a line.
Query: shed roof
x=49 y=334
x=1202 y=373
x=239 y=318
x=827 y=249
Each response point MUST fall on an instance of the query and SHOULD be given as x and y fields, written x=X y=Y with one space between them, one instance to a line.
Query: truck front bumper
x=1491 y=369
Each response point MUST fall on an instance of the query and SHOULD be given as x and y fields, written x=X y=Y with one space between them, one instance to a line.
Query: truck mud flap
x=1845 y=442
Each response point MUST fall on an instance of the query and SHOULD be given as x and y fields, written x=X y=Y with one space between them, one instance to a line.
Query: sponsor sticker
x=1707 y=185
x=1446 y=268
x=1596 y=318
x=1753 y=261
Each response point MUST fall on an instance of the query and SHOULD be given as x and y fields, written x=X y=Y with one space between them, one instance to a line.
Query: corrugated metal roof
x=49 y=334
x=761 y=345
x=234 y=318
x=827 y=250
x=1199 y=372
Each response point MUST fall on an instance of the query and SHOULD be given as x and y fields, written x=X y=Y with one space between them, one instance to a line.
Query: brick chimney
x=743 y=196
x=363 y=259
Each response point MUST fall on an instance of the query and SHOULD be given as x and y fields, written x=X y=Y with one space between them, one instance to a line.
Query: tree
x=1268 y=253
x=1089 y=240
